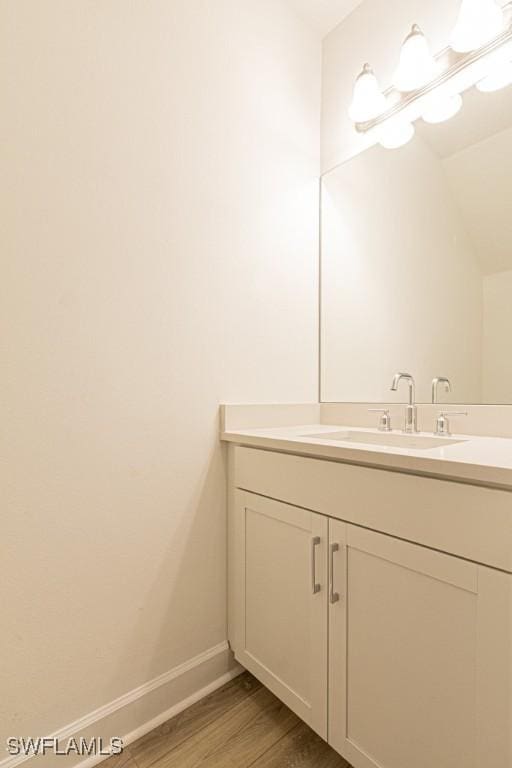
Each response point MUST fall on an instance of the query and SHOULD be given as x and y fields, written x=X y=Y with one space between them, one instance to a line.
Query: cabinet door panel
x=406 y=658
x=282 y=615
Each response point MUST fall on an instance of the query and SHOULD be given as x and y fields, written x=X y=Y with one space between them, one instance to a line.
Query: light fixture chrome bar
x=455 y=64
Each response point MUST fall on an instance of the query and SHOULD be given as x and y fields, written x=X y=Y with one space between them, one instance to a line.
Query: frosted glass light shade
x=440 y=107
x=479 y=21
x=417 y=65
x=368 y=100
x=496 y=80
x=395 y=133
x=497 y=70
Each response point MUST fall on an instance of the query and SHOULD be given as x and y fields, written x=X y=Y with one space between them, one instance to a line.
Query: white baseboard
x=139 y=711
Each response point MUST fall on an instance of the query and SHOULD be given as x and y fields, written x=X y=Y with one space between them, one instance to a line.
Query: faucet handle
x=385 y=419
x=443 y=423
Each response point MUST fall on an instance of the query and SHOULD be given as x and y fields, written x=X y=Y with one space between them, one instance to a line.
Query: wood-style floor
x=240 y=725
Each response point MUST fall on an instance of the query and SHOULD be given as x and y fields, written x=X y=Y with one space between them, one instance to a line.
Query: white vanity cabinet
x=398 y=654
x=281 y=572
x=416 y=661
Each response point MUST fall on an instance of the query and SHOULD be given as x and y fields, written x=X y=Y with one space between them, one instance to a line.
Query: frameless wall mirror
x=417 y=262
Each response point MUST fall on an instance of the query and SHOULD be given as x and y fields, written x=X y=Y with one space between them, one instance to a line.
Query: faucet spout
x=411 y=412
x=410 y=381
x=435 y=384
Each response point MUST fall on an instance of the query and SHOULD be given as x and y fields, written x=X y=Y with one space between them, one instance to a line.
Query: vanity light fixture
x=395 y=133
x=439 y=107
x=417 y=65
x=430 y=86
x=499 y=73
x=368 y=101
x=497 y=80
x=479 y=22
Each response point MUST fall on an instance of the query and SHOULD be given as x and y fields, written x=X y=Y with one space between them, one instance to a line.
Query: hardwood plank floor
x=242 y=725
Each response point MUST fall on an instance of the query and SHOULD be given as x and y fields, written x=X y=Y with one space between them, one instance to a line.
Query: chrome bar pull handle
x=315 y=542
x=333 y=596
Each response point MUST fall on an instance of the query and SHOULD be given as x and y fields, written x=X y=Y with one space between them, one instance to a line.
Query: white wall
x=159 y=255
x=402 y=286
x=497 y=360
x=373 y=33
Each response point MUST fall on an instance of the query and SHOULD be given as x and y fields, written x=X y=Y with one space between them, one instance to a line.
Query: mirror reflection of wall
x=417 y=262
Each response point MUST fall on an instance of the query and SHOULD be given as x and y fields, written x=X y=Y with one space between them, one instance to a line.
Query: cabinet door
x=420 y=669
x=280 y=624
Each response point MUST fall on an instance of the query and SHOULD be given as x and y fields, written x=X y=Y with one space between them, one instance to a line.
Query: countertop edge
x=449 y=469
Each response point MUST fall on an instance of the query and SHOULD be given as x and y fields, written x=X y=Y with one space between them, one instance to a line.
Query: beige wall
x=159 y=255
x=497 y=360
x=402 y=287
x=373 y=32
x=481 y=178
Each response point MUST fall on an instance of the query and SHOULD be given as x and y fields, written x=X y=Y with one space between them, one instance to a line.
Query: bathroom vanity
x=370 y=585
x=370 y=557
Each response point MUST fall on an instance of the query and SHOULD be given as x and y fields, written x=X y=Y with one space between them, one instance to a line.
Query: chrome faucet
x=411 y=412
x=435 y=385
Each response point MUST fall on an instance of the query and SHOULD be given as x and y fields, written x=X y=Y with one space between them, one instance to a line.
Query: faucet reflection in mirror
x=429 y=86
x=435 y=384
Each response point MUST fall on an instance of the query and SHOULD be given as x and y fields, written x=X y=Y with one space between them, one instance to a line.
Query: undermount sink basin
x=390 y=439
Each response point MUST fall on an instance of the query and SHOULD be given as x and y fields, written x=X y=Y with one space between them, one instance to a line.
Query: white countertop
x=481 y=460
